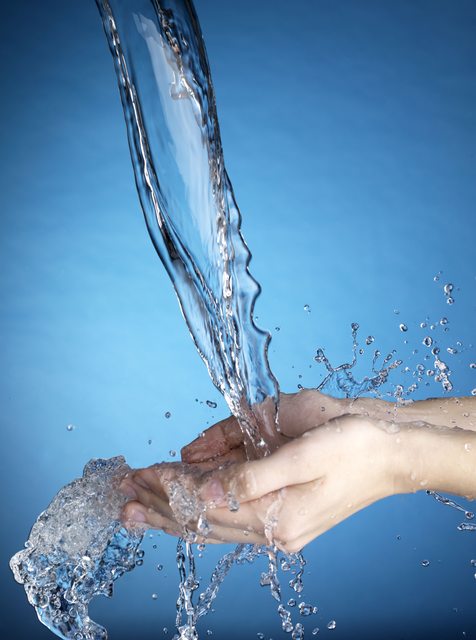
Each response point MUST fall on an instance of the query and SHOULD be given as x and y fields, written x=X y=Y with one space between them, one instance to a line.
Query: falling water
x=187 y=198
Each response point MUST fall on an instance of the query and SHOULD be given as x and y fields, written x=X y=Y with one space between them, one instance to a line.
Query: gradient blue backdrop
x=349 y=131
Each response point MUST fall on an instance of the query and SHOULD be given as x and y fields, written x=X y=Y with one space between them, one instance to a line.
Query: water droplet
x=422 y=325
x=70 y=427
x=427 y=341
x=209 y=632
x=331 y=624
x=260 y=635
x=305 y=609
x=396 y=312
x=425 y=563
x=473 y=392
x=319 y=357
x=403 y=327
x=448 y=288
x=468 y=446
x=399 y=537
x=369 y=339
x=449 y=300
x=315 y=631
x=211 y=404
x=444 y=320
x=154 y=596
x=172 y=453
x=291 y=602
x=149 y=441
x=472 y=365
x=307 y=308
x=167 y=414
x=452 y=350
x=160 y=567
x=165 y=631
x=473 y=563
x=277 y=328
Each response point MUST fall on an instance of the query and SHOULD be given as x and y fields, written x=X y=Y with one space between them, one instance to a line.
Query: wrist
x=435 y=458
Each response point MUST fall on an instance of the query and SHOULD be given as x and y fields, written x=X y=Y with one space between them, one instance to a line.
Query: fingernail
x=137 y=515
x=128 y=490
x=212 y=491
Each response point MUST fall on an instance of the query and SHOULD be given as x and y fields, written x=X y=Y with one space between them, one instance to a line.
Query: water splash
x=187 y=198
x=76 y=549
x=341 y=380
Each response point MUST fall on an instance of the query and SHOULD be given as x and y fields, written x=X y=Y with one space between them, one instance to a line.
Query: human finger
x=135 y=513
x=293 y=463
x=219 y=439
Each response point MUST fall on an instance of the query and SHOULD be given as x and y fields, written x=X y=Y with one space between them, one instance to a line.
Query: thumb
x=293 y=463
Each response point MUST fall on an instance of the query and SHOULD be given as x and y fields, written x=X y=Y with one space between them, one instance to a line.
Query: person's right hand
x=298 y=412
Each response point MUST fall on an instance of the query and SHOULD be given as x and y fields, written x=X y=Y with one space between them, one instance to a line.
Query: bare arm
x=313 y=481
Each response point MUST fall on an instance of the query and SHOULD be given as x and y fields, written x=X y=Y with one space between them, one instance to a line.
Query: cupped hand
x=301 y=490
x=298 y=412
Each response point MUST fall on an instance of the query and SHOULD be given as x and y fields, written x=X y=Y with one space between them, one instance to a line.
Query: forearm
x=436 y=458
x=445 y=412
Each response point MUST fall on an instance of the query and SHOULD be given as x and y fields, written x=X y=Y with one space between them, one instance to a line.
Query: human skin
x=335 y=457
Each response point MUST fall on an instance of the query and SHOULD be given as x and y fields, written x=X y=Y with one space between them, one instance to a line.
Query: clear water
x=187 y=198
x=77 y=548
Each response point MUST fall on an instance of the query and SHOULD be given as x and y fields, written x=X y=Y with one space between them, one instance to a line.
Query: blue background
x=349 y=131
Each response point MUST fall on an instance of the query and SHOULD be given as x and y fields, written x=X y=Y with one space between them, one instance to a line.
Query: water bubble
x=154 y=596
x=403 y=327
x=427 y=341
x=211 y=404
x=307 y=308
x=70 y=427
x=369 y=339
x=172 y=453
x=167 y=414
x=425 y=563
x=331 y=624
